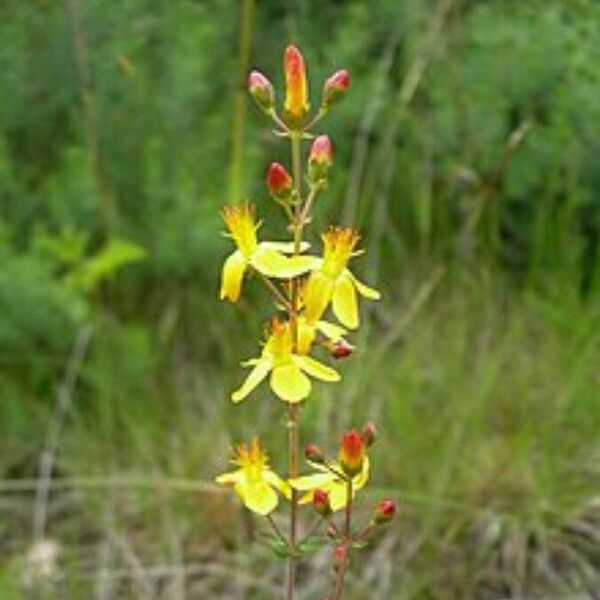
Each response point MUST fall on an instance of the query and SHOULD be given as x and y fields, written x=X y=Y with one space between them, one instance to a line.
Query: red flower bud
x=321 y=502
x=341 y=349
x=368 y=433
x=320 y=158
x=261 y=89
x=335 y=88
x=279 y=181
x=352 y=452
x=384 y=512
x=340 y=557
x=296 y=85
x=314 y=454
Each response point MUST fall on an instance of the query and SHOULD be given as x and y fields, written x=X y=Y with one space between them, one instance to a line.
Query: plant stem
x=305 y=213
x=312 y=530
x=322 y=112
x=237 y=136
x=276 y=529
x=293 y=440
x=88 y=99
x=348 y=508
x=275 y=291
x=338 y=588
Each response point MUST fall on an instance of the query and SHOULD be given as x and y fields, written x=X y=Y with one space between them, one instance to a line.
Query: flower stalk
x=302 y=288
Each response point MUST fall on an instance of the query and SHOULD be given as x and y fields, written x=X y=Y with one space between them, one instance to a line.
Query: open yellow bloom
x=254 y=482
x=331 y=281
x=335 y=485
x=265 y=257
x=288 y=370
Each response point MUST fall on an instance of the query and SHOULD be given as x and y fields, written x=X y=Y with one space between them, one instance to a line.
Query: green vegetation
x=480 y=195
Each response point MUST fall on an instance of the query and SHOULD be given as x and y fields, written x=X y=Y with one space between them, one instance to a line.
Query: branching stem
x=293 y=438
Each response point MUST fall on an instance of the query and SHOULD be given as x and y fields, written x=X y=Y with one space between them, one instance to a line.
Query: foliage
x=509 y=342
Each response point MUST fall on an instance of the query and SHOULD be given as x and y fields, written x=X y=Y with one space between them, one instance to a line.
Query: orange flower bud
x=341 y=349
x=352 y=452
x=279 y=181
x=340 y=557
x=320 y=158
x=314 y=454
x=335 y=88
x=261 y=89
x=368 y=433
x=296 y=91
x=384 y=512
x=321 y=502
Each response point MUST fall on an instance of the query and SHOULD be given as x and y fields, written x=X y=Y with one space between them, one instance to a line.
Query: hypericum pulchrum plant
x=302 y=287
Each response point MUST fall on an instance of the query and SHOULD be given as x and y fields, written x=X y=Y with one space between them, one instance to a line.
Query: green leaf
x=311 y=545
x=361 y=545
x=106 y=262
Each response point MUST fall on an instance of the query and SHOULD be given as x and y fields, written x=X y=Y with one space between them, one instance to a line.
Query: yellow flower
x=331 y=281
x=254 y=482
x=288 y=370
x=265 y=257
x=331 y=480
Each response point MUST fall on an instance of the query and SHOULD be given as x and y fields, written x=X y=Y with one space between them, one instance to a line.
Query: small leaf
x=361 y=545
x=311 y=545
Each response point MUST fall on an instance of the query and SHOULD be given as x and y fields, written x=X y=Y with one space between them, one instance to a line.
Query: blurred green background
x=468 y=155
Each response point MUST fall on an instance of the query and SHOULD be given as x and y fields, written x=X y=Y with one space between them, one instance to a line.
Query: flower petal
x=290 y=383
x=338 y=495
x=284 y=247
x=330 y=330
x=317 y=294
x=258 y=373
x=316 y=369
x=312 y=482
x=306 y=336
x=230 y=478
x=345 y=305
x=363 y=289
x=362 y=478
x=258 y=496
x=279 y=484
x=232 y=275
x=274 y=264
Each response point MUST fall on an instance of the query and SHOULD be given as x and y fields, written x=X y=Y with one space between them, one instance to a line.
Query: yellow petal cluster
x=289 y=370
x=254 y=481
x=330 y=479
x=267 y=258
x=332 y=282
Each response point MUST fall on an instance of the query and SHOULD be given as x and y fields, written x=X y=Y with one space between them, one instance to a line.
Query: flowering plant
x=302 y=287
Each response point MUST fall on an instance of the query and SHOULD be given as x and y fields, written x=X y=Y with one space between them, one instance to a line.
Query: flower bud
x=261 y=89
x=314 y=454
x=320 y=158
x=369 y=433
x=384 y=512
x=341 y=349
x=340 y=557
x=335 y=88
x=352 y=452
x=279 y=181
x=321 y=502
x=296 y=86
